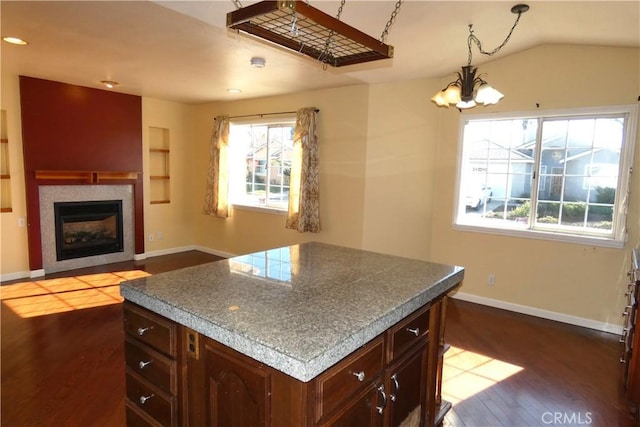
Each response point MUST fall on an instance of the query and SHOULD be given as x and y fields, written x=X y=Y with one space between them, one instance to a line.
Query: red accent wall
x=74 y=128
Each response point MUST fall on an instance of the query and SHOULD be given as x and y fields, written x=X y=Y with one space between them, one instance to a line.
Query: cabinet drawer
x=154 y=402
x=355 y=372
x=151 y=329
x=407 y=332
x=151 y=365
x=136 y=418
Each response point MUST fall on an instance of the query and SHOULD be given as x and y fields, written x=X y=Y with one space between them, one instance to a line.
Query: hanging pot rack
x=300 y=27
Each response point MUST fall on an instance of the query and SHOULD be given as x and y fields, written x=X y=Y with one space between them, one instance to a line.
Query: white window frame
x=288 y=119
x=619 y=233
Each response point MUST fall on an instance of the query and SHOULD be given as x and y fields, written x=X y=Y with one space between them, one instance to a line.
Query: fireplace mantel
x=91 y=177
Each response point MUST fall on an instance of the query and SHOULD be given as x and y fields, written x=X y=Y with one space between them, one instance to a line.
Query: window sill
x=260 y=209
x=544 y=235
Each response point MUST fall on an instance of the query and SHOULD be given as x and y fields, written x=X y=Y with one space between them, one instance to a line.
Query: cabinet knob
x=142 y=364
x=622 y=360
x=143 y=399
x=415 y=331
x=359 y=375
x=384 y=400
x=142 y=331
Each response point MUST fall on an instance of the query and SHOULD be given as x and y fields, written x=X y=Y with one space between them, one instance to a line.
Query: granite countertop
x=299 y=309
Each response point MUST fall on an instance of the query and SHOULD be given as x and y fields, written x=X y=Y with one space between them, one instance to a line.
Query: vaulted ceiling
x=182 y=50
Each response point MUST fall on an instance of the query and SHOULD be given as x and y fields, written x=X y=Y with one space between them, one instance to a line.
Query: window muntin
x=559 y=175
x=260 y=164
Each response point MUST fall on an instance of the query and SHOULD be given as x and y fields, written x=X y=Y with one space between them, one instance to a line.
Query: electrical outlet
x=160 y=235
x=21 y=222
x=151 y=237
x=491 y=280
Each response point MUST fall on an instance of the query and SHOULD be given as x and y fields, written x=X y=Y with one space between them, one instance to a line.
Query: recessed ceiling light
x=15 y=40
x=109 y=83
x=234 y=90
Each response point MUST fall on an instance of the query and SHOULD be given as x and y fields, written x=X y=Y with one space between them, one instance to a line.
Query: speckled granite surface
x=299 y=309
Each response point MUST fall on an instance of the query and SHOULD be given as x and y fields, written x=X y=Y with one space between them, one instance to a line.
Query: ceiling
x=182 y=51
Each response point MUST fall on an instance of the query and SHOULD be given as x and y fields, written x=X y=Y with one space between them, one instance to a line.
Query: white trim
x=15 y=276
x=36 y=273
x=261 y=209
x=189 y=248
x=538 y=312
x=169 y=251
x=139 y=257
x=542 y=235
x=214 y=252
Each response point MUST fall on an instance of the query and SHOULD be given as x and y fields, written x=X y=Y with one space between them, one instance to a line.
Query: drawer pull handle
x=142 y=331
x=143 y=365
x=143 y=399
x=622 y=360
x=415 y=331
x=359 y=375
x=384 y=400
x=396 y=387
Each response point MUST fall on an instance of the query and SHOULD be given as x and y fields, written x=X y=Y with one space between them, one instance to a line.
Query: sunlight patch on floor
x=467 y=373
x=42 y=297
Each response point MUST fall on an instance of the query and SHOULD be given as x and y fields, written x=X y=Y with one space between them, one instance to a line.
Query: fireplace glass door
x=88 y=228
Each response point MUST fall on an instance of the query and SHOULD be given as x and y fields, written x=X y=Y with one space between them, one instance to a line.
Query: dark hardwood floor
x=63 y=363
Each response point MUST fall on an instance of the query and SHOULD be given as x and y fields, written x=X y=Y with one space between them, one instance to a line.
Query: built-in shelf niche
x=159 y=167
x=5 y=173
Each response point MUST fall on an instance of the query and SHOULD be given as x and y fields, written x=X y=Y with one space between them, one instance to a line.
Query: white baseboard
x=537 y=312
x=185 y=249
x=169 y=251
x=15 y=276
x=214 y=252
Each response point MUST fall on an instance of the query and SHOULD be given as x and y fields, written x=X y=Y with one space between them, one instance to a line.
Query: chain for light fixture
x=390 y=22
x=468 y=90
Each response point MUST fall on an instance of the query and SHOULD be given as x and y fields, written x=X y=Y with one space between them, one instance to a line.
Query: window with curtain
x=266 y=164
x=260 y=159
x=561 y=175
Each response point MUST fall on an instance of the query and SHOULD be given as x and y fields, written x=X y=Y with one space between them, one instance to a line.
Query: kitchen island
x=305 y=335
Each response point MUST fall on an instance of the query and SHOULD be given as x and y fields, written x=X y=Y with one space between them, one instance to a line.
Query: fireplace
x=88 y=228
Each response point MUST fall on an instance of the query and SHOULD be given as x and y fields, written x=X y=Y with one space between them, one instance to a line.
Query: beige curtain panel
x=304 y=185
x=217 y=193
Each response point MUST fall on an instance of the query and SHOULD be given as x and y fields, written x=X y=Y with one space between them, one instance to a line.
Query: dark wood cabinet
x=405 y=383
x=631 y=337
x=238 y=389
x=151 y=357
x=390 y=381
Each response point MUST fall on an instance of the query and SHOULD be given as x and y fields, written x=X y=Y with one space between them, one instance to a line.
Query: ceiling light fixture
x=468 y=90
x=257 y=62
x=304 y=29
x=15 y=40
x=109 y=83
x=234 y=90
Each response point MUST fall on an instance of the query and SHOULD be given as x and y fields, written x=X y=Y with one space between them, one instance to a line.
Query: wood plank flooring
x=63 y=362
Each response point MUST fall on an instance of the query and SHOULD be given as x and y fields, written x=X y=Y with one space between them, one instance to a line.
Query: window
x=260 y=157
x=558 y=175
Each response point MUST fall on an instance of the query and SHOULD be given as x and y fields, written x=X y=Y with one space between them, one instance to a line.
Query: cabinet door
x=406 y=382
x=364 y=410
x=238 y=391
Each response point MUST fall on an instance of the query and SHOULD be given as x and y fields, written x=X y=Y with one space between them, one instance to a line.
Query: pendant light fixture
x=470 y=89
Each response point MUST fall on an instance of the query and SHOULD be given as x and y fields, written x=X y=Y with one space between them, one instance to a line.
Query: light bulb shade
x=487 y=95
x=452 y=94
x=466 y=104
x=439 y=99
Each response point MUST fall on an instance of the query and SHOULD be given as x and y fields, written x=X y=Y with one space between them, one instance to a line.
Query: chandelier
x=470 y=89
